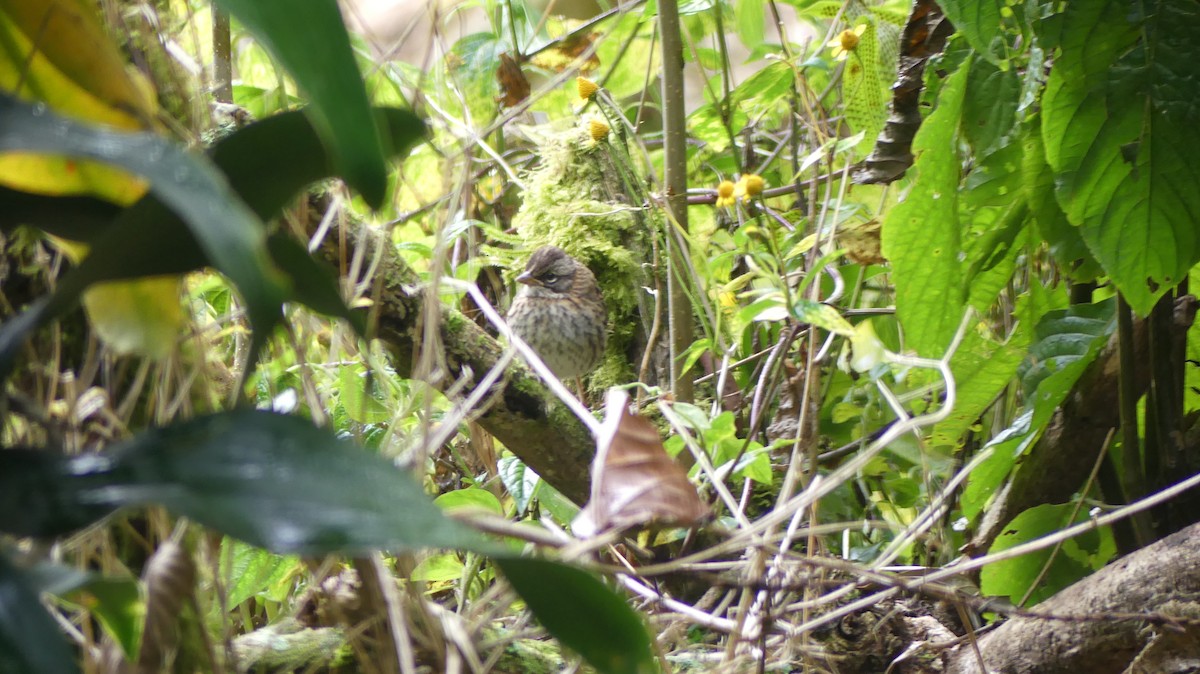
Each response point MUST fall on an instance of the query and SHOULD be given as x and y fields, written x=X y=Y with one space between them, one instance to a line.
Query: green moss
x=576 y=200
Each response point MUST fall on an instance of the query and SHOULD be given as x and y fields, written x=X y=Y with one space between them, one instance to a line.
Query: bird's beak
x=527 y=279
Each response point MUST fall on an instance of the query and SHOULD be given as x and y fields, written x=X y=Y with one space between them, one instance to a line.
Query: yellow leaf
x=137 y=317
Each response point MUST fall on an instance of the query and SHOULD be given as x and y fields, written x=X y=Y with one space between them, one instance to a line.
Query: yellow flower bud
x=725 y=193
x=753 y=184
x=586 y=87
x=598 y=130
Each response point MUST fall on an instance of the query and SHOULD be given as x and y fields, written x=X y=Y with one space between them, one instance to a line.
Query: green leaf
x=252 y=571
x=117 y=603
x=979 y=21
x=750 y=21
x=313 y=283
x=470 y=497
x=821 y=315
x=230 y=235
x=921 y=234
x=267 y=163
x=76 y=218
x=982 y=369
x=360 y=396
x=439 y=568
x=993 y=257
x=1078 y=557
x=583 y=614
x=310 y=41
x=1067 y=342
x=1065 y=240
x=1122 y=132
x=521 y=482
x=273 y=481
x=990 y=108
x=1006 y=447
x=29 y=639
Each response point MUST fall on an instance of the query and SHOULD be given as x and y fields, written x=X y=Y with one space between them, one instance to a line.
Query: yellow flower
x=749 y=185
x=725 y=194
x=586 y=87
x=598 y=130
x=847 y=41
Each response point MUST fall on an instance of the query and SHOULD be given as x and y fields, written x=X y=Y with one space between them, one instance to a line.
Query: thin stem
x=679 y=322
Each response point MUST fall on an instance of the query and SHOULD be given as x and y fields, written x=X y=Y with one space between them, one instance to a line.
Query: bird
x=559 y=312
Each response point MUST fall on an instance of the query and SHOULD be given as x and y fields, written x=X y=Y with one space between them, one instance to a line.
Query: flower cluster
x=749 y=185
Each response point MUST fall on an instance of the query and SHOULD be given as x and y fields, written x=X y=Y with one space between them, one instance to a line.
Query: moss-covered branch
x=519 y=413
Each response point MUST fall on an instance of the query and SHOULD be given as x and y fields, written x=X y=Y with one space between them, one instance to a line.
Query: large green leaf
x=274 y=481
x=978 y=21
x=921 y=235
x=1066 y=342
x=989 y=111
x=583 y=614
x=310 y=40
x=77 y=218
x=29 y=639
x=1077 y=557
x=1122 y=133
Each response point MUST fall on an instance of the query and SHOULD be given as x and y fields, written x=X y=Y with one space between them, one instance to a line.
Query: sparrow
x=560 y=312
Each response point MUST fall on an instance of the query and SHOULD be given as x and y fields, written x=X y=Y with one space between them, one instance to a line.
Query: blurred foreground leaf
x=310 y=40
x=274 y=481
x=583 y=614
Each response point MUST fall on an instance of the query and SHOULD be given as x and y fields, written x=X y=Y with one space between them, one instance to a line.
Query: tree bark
x=1163 y=578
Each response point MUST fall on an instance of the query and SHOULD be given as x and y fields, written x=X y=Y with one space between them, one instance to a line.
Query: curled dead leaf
x=634 y=481
x=513 y=84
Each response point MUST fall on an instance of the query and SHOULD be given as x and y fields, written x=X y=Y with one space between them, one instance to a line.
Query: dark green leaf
x=989 y=112
x=1067 y=341
x=76 y=218
x=29 y=639
x=310 y=41
x=35 y=499
x=271 y=480
x=1065 y=240
x=230 y=235
x=313 y=283
x=1122 y=132
x=267 y=163
x=583 y=614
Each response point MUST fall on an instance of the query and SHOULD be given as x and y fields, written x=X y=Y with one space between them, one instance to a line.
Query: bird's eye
x=549 y=278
